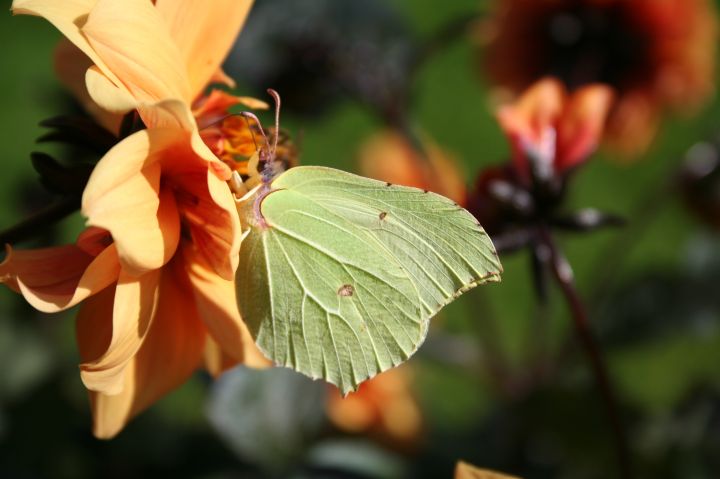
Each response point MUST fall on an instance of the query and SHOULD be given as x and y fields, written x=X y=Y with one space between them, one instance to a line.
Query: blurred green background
x=652 y=290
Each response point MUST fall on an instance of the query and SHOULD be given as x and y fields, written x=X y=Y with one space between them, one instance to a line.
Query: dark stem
x=538 y=332
x=40 y=220
x=563 y=276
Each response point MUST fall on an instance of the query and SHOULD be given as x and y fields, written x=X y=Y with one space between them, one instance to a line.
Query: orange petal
x=222 y=78
x=530 y=122
x=539 y=107
x=633 y=123
x=94 y=324
x=208 y=209
x=204 y=33
x=383 y=406
x=71 y=64
x=123 y=196
x=215 y=359
x=172 y=350
x=68 y=16
x=136 y=299
x=133 y=41
x=176 y=115
x=215 y=106
x=388 y=157
x=54 y=279
x=94 y=240
x=104 y=94
x=162 y=114
x=217 y=167
x=463 y=470
x=217 y=306
x=581 y=124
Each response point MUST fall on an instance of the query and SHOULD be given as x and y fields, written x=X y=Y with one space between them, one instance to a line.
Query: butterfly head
x=271 y=151
x=267 y=150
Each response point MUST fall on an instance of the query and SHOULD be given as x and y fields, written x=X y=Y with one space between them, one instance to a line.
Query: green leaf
x=339 y=274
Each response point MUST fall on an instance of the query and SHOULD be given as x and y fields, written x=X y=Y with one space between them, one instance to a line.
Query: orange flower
x=654 y=53
x=383 y=407
x=550 y=133
x=155 y=267
x=556 y=130
x=463 y=470
x=389 y=156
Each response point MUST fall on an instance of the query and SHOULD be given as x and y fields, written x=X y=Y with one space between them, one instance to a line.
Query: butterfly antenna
x=252 y=133
x=276 y=97
x=251 y=116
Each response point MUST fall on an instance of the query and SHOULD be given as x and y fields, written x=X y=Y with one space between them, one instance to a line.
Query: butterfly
x=339 y=274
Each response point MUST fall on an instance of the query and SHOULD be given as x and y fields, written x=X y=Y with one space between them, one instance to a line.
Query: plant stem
x=563 y=276
x=40 y=220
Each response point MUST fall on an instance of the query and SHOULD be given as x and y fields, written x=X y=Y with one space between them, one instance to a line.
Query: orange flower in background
x=654 y=53
x=389 y=156
x=553 y=130
x=463 y=470
x=383 y=407
x=550 y=132
x=155 y=268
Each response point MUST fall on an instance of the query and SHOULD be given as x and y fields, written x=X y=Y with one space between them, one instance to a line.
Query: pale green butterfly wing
x=321 y=299
x=342 y=280
x=441 y=245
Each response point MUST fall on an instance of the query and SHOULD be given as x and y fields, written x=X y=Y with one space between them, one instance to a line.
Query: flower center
x=235 y=141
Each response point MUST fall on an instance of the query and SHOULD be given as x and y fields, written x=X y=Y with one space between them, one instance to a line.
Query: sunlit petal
x=104 y=94
x=194 y=28
x=123 y=196
x=133 y=41
x=53 y=279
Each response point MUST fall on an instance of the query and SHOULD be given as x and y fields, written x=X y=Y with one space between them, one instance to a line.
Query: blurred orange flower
x=383 y=407
x=156 y=264
x=389 y=156
x=654 y=53
x=553 y=130
x=463 y=470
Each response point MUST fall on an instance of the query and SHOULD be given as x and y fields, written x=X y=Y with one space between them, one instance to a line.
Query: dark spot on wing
x=383 y=215
x=425 y=191
x=388 y=184
x=346 y=290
